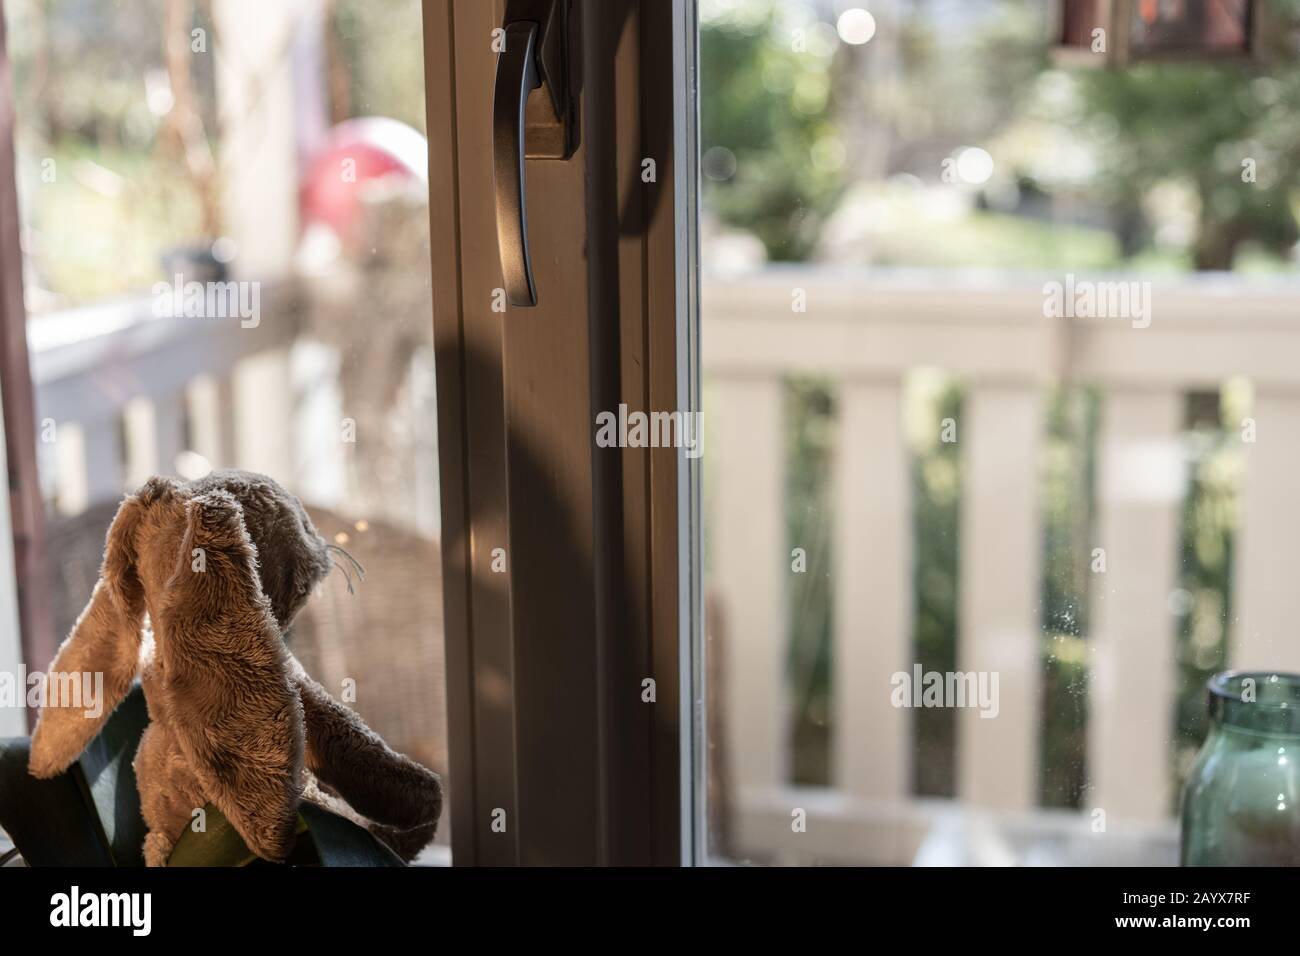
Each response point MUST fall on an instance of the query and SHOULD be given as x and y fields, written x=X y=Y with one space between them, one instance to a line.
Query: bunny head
x=292 y=557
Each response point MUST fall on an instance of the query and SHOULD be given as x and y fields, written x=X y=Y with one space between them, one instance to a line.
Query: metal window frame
x=554 y=756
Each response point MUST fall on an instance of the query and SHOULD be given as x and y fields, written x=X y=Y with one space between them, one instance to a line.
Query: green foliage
x=770 y=107
x=810 y=447
x=1229 y=133
x=121 y=194
x=87 y=243
x=1206 y=542
x=936 y=517
x=1068 y=466
x=992 y=240
x=957 y=85
x=102 y=193
x=379 y=46
x=1068 y=475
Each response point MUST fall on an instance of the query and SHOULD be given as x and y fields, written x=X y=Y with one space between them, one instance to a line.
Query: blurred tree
x=1203 y=603
x=1229 y=132
x=940 y=92
x=184 y=123
x=1068 y=476
x=375 y=68
x=772 y=157
x=109 y=150
x=810 y=436
x=932 y=399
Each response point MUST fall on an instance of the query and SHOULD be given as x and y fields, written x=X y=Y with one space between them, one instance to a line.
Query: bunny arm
x=407 y=844
x=376 y=781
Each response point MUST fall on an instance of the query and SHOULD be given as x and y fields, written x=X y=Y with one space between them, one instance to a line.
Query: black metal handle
x=517 y=76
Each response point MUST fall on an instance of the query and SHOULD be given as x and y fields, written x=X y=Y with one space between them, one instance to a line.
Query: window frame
x=591 y=773
x=24 y=516
x=601 y=545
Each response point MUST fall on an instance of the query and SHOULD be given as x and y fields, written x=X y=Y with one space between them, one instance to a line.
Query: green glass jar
x=1241 y=805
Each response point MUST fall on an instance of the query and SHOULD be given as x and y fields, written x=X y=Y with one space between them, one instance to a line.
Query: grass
x=99 y=228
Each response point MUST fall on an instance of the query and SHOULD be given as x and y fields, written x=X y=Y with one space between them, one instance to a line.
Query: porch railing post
x=872 y=578
x=1267 y=600
x=999 y=616
x=749 y=553
x=1131 y=697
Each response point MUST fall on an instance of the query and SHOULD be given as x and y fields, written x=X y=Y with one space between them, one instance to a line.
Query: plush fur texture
x=200 y=579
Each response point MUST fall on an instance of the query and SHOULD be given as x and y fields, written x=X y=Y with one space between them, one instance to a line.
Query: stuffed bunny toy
x=200 y=580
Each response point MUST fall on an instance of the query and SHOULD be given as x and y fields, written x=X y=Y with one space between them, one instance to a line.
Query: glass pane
x=225 y=227
x=999 y=432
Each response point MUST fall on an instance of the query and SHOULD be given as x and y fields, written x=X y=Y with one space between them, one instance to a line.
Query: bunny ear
x=95 y=666
x=228 y=696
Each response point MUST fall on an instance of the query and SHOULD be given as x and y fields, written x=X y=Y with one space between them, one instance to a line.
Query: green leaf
x=110 y=776
x=219 y=844
x=324 y=839
x=341 y=842
x=51 y=822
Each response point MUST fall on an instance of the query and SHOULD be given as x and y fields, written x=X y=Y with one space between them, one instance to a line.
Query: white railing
x=866 y=332
x=118 y=392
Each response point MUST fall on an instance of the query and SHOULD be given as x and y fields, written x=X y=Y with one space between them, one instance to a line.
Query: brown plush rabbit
x=221 y=566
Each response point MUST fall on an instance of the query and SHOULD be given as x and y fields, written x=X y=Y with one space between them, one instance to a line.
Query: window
x=987 y=350
x=225 y=228
x=992 y=348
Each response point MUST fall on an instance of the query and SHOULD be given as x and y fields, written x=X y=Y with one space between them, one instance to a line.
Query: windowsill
x=435 y=854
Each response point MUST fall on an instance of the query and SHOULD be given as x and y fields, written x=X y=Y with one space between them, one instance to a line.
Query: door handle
x=536 y=53
x=517 y=76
